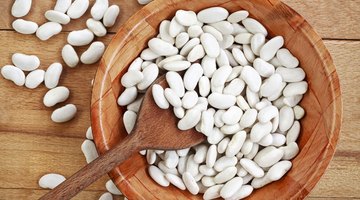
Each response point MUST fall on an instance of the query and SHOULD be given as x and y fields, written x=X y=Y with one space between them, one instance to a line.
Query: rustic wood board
x=32 y=145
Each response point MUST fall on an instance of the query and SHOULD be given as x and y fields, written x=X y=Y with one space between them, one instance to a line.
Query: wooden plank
x=38 y=9
x=30 y=194
x=337 y=19
x=331 y=18
x=27 y=157
x=343 y=175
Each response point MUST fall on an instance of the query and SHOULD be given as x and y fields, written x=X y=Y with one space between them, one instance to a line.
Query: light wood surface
x=32 y=145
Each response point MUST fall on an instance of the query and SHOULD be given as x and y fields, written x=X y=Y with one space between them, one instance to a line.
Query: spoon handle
x=94 y=170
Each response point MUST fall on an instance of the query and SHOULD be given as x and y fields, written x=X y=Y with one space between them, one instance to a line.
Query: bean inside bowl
x=320 y=127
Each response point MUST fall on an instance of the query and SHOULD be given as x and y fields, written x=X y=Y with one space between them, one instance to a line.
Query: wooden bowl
x=323 y=104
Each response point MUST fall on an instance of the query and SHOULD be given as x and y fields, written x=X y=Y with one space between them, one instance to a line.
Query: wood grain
x=24 y=122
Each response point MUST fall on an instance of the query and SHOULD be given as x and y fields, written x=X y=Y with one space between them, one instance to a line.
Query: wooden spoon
x=155 y=129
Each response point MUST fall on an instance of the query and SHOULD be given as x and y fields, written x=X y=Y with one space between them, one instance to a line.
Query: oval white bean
x=52 y=75
x=25 y=62
x=80 y=37
x=212 y=15
x=99 y=8
x=34 y=78
x=62 y=5
x=50 y=181
x=96 y=27
x=20 y=8
x=64 y=114
x=70 y=56
x=24 y=26
x=13 y=74
x=270 y=48
x=78 y=9
x=93 y=53
x=158 y=176
x=111 y=15
x=57 y=16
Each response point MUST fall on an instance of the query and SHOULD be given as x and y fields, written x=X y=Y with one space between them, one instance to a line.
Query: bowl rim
x=338 y=106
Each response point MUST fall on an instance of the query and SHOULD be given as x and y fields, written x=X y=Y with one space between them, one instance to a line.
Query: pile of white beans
x=231 y=82
x=63 y=12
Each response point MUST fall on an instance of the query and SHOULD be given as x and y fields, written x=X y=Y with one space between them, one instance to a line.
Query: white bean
x=225 y=175
x=93 y=53
x=181 y=39
x=286 y=59
x=176 y=181
x=56 y=95
x=129 y=119
x=175 y=27
x=221 y=101
x=212 y=15
x=24 y=26
x=251 y=167
x=99 y=8
x=192 y=76
x=62 y=5
x=249 y=118
x=210 y=44
x=293 y=89
x=106 y=196
x=57 y=16
x=112 y=188
x=80 y=37
x=235 y=144
x=238 y=16
x=111 y=15
x=291 y=75
x=20 y=8
x=287 y=116
x=259 y=130
x=128 y=96
x=268 y=156
x=231 y=187
x=70 y=56
x=186 y=18
x=25 y=62
x=251 y=78
x=34 y=78
x=13 y=74
x=52 y=75
x=257 y=42
x=191 y=118
x=96 y=27
x=190 y=183
x=213 y=192
x=232 y=115
x=264 y=68
x=224 y=162
x=89 y=150
x=64 y=114
x=50 y=181
x=172 y=98
x=254 y=26
x=290 y=151
x=78 y=9
x=150 y=73
x=158 y=176
x=270 y=48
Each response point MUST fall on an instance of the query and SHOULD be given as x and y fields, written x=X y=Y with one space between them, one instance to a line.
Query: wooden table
x=32 y=145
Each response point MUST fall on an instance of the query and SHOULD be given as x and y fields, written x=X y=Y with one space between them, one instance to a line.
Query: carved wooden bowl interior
x=323 y=104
